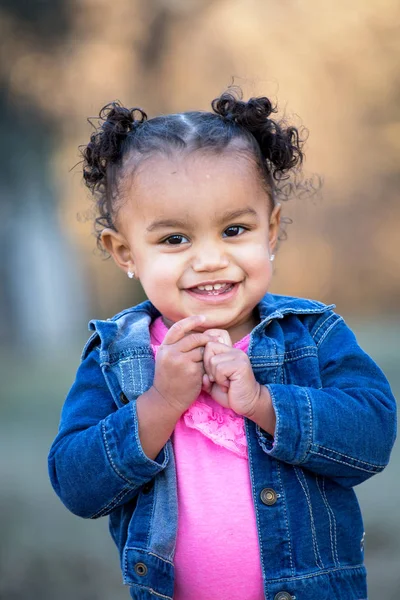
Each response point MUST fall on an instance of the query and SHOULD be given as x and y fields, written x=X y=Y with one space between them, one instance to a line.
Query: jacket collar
x=275 y=306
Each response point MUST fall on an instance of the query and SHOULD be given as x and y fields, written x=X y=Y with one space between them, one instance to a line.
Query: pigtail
x=280 y=146
x=104 y=152
x=106 y=143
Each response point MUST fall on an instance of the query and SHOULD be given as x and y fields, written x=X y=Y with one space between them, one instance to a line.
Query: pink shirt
x=217 y=552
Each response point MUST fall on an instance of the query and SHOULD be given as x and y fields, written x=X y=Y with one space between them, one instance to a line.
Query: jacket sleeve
x=96 y=462
x=346 y=429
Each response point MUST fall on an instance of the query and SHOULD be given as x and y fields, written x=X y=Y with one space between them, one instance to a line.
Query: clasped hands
x=189 y=361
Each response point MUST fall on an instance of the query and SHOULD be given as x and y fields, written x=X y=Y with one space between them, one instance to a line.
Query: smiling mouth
x=215 y=289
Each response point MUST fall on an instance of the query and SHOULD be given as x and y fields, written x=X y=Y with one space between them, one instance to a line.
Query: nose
x=209 y=257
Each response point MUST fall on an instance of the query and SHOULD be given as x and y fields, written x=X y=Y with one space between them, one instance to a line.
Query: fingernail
x=220 y=339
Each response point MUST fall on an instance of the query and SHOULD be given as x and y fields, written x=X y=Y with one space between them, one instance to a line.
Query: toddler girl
x=221 y=428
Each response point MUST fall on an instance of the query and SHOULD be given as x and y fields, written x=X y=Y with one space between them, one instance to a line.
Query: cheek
x=255 y=256
x=158 y=270
x=259 y=267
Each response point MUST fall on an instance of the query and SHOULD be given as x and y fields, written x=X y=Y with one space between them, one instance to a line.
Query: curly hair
x=275 y=148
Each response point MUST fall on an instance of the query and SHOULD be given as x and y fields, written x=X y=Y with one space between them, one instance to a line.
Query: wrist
x=156 y=420
x=162 y=403
x=264 y=413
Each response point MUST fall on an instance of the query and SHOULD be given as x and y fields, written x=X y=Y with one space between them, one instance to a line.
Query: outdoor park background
x=333 y=65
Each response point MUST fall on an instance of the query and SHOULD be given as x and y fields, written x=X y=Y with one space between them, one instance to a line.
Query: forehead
x=196 y=183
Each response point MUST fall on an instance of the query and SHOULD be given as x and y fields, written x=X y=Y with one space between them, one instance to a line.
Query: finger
x=181 y=328
x=207 y=384
x=192 y=340
x=220 y=335
x=213 y=349
x=220 y=394
x=221 y=367
x=195 y=355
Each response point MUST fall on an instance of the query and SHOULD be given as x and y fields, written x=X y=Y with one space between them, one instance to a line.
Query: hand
x=230 y=380
x=229 y=377
x=179 y=366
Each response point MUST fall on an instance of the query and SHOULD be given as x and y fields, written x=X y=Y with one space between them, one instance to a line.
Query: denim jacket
x=335 y=427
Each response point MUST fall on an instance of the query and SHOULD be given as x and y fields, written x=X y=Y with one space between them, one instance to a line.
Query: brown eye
x=233 y=231
x=175 y=240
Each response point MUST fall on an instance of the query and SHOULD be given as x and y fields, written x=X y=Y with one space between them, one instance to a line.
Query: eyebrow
x=161 y=223
x=175 y=223
x=235 y=214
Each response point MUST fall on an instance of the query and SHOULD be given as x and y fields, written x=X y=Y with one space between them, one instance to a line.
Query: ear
x=116 y=245
x=274 y=224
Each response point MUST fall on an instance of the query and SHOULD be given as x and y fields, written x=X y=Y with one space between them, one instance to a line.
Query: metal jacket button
x=283 y=596
x=269 y=497
x=123 y=398
x=140 y=569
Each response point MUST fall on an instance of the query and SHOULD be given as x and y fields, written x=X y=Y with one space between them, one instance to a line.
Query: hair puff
x=279 y=145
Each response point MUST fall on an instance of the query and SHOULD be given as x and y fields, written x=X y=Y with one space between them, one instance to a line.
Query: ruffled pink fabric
x=219 y=424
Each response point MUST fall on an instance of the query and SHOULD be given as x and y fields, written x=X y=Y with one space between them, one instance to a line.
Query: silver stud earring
x=130 y=274
x=272 y=257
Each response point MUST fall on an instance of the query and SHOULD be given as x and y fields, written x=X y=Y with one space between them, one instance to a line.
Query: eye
x=175 y=240
x=233 y=231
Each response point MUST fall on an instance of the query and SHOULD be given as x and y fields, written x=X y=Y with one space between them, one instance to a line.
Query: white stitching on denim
x=323 y=308
x=130 y=353
x=140 y=375
x=311 y=418
x=309 y=441
x=339 y=320
x=121 y=370
x=274 y=356
x=295 y=350
x=330 y=520
x=108 y=452
x=286 y=518
x=157 y=594
x=148 y=589
x=305 y=355
x=132 y=377
x=161 y=558
x=108 y=507
x=342 y=462
x=281 y=355
x=359 y=567
x=334 y=523
x=317 y=556
x=322 y=324
x=152 y=516
x=328 y=510
x=266 y=364
x=364 y=462
x=276 y=433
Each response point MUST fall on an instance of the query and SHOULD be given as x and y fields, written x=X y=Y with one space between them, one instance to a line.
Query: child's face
x=196 y=221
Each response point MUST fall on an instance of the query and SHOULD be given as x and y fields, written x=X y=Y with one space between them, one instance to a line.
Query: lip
x=213 y=282
x=210 y=299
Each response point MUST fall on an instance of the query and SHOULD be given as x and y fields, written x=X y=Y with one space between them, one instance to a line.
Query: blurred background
x=332 y=66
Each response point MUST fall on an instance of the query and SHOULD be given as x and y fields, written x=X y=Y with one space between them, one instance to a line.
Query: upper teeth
x=208 y=287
